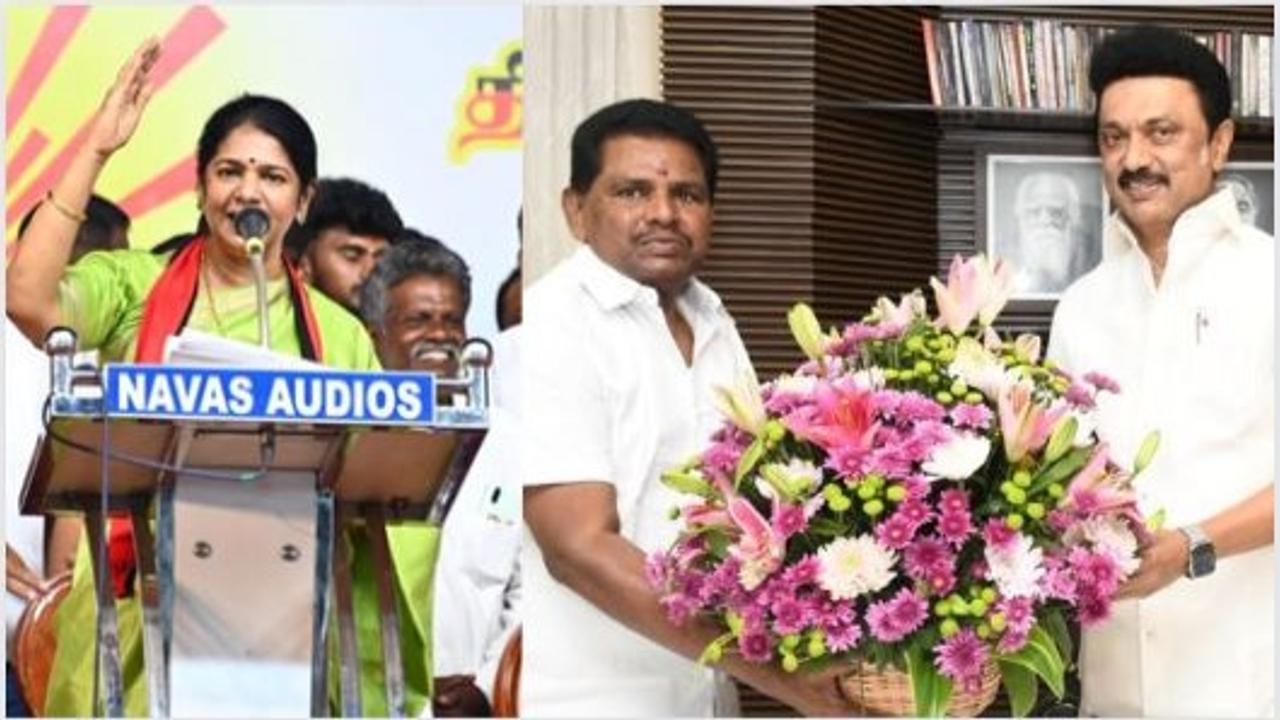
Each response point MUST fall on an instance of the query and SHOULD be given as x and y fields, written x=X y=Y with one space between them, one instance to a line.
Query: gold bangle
x=67 y=212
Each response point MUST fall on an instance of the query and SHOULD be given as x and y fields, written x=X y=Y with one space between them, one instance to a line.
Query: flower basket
x=887 y=692
x=919 y=493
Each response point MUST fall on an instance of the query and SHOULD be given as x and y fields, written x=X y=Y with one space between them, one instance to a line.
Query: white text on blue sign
x=273 y=395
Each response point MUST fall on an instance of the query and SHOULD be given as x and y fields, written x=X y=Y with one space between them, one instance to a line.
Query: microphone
x=252 y=224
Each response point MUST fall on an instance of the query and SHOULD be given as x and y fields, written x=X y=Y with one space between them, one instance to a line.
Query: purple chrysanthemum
x=755 y=647
x=917 y=408
x=1080 y=396
x=941 y=580
x=961 y=657
x=789 y=520
x=789 y=616
x=915 y=511
x=955 y=527
x=1011 y=641
x=1097 y=573
x=893 y=619
x=842 y=636
x=1102 y=382
x=967 y=415
x=953 y=501
x=998 y=534
x=1018 y=614
x=895 y=532
x=927 y=555
x=804 y=571
x=1092 y=608
x=656 y=570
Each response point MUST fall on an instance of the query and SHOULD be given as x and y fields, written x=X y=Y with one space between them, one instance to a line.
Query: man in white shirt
x=416 y=301
x=622 y=348
x=1182 y=315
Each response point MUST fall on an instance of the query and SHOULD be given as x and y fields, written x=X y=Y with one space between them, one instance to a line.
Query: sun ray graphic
x=41 y=140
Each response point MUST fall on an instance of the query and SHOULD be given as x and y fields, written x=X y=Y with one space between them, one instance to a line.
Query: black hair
x=104 y=224
x=412 y=253
x=270 y=115
x=512 y=279
x=645 y=118
x=346 y=203
x=1150 y=50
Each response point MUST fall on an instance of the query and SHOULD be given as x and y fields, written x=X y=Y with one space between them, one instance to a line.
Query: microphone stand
x=255 y=247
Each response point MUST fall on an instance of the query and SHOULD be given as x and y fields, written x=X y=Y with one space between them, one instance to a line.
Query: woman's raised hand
x=122 y=107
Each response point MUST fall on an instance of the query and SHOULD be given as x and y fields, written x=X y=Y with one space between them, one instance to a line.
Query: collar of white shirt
x=1197 y=224
x=614 y=291
x=1214 y=219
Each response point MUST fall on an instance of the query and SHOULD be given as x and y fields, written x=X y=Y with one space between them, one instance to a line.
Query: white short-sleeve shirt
x=478 y=584
x=1195 y=360
x=608 y=398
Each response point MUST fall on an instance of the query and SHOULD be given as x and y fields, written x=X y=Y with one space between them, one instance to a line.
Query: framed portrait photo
x=1253 y=184
x=1044 y=214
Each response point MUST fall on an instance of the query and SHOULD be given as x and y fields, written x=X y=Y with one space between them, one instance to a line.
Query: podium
x=239 y=483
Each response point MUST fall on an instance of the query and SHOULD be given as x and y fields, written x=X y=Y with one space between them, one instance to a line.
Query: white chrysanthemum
x=1112 y=536
x=958 y=458
x=855 y=566
x=795 y=384
x=1016 y=569
x=803 y=473
x=978 y=367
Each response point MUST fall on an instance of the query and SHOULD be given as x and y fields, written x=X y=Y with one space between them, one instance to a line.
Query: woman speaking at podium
x=254 y=153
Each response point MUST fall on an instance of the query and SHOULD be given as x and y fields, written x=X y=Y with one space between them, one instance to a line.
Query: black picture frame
x=1044 y=214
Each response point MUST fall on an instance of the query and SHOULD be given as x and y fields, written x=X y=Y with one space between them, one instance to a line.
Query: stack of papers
x=193 y=347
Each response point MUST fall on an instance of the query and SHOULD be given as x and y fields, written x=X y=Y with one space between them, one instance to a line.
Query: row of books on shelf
x=1043 y=64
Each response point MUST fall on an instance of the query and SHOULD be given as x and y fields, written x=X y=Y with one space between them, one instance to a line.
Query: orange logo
x=490 y=113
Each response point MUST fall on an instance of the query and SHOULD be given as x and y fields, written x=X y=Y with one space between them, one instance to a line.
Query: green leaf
x=1040 y=656
x=1064 y=468
x=689 y=483
x=1021 y=685
x=1056 y=626
x=932 y=691
x=748 y=461
x=717 y=542
x=827 y=527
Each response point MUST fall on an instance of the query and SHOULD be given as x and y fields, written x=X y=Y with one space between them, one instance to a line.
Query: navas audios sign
x=189 y=392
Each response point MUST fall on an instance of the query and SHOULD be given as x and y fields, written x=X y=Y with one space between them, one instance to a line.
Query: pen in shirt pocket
x=1202 y=324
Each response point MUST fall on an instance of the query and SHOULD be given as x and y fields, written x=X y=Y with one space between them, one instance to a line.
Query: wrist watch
x=1201 y=556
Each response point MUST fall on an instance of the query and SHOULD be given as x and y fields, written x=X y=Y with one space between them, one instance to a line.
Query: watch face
x=1202 y=560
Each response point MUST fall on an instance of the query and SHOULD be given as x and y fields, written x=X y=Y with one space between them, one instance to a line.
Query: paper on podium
x=193 y=347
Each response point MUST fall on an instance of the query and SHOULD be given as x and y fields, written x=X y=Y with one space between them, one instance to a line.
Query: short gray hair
x=412 y=254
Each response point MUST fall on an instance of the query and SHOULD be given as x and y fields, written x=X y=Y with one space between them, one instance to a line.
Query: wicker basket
x=887 y=692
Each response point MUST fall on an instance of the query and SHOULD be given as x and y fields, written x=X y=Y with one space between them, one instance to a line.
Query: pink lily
x=1096 y=488
x=760 y=548
x=706 y=515
x=842 y=416
x=1025 y=425
x=976 y=288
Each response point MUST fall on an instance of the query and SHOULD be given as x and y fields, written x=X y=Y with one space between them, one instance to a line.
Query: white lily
x=742 y=404
x=978 y=368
